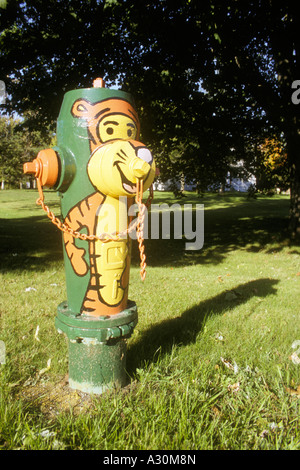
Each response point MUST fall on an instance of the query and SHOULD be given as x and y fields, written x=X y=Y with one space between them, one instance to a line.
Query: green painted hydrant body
x=97 y=348
x=96 y=167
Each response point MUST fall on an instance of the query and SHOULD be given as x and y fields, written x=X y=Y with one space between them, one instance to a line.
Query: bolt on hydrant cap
x=139 y=168
x=99 y=83
x=31 y=167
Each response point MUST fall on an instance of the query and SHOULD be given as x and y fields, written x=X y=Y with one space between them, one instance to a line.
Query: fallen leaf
x=234 y=387
x=216 y=411
x=226 y=363
x=293 y=391
x=230 y=366
x=219 y=337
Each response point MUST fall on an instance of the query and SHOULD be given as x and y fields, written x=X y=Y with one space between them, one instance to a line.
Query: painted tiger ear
x=81 y=108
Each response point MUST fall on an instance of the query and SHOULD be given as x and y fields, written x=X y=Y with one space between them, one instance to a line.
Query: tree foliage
x=209 y=77
x=272 y=168
x=17 y=145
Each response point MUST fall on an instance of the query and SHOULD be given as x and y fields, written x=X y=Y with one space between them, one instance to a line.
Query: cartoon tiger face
x=114 y=168
x=107 y=120
x=117 y=157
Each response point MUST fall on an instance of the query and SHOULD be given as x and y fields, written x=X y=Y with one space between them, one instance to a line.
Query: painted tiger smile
x=128 y=185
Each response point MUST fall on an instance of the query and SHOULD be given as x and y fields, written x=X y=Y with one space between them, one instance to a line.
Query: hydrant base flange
x=97 y=347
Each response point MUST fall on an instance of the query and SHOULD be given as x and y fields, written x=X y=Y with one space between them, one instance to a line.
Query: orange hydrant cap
x=45 y=167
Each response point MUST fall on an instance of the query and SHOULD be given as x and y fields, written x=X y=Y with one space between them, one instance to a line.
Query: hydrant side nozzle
x=49 y=167
x=45 y=166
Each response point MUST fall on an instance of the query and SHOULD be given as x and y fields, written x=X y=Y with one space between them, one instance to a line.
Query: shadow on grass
x=248 y=225
x=183 y=330
x=34 y=242
x=30 y=243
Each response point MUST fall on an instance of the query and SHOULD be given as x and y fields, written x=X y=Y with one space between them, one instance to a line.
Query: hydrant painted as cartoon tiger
x=116 y=161
x=96 y=167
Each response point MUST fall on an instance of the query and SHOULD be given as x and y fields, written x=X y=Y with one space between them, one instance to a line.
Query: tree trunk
x=182 y=183
x=294 y=225
x=293 y=147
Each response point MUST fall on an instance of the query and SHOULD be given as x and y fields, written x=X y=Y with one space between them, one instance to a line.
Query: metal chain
x=105 y=237
x=140 y=227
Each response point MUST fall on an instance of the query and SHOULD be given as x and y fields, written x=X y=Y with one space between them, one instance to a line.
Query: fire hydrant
x=98 y=167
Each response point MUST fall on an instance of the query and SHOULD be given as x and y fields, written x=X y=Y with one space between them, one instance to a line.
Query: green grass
x=210 y=362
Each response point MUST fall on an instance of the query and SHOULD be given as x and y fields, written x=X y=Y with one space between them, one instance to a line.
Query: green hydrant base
x=97 y=348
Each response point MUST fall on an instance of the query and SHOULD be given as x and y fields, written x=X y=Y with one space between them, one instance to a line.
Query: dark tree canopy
x=212 y=79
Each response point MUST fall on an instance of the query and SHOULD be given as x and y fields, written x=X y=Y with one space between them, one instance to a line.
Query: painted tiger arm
x=80 y=216
x=75 y=220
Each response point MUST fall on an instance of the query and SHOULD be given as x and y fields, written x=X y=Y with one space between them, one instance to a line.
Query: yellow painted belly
x=110 y=264
x=112 y=256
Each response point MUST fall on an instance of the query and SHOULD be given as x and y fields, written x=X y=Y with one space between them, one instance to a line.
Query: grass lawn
x=214 y=362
